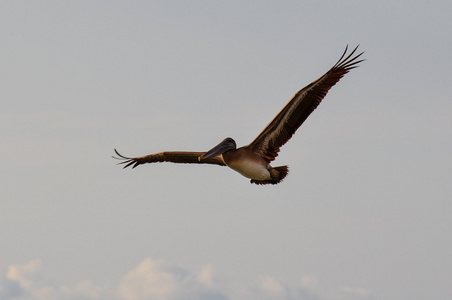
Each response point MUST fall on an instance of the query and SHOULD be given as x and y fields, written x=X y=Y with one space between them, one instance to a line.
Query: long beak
x=217 y=150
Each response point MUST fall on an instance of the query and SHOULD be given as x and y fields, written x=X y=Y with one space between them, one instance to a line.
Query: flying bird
x=253 y=161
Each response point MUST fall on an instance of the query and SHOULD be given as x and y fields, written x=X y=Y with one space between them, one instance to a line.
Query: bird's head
x=226 y=145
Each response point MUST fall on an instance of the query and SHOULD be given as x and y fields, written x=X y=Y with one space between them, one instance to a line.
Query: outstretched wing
x=180 y=157
x=290 y=118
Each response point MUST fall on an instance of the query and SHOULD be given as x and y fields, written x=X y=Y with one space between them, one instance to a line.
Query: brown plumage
x=182 y=157
x=302 y=104
x=253 y=160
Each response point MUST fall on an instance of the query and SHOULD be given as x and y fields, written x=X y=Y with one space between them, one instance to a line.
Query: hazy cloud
x=10 y=289
x=206 y=275
x=24 y=274
x=309 y=282
x=271 y=285
x=151 y=279
x=160 y=280
x=148 y=280
x=156 y=279
x=22 y=282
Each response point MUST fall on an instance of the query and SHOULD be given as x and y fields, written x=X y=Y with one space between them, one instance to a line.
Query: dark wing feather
x=303 y=103
x=169 y=156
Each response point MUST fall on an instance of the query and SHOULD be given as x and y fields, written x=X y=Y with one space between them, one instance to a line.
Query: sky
x=364 y=213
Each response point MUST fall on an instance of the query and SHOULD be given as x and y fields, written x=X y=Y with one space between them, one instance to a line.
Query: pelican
x=253 y=161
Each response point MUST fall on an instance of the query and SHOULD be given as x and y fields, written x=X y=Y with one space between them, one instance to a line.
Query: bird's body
x=247 y=163
x=253 y=160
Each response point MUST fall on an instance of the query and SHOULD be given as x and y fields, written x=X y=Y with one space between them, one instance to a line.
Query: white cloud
x=309 y=282
x=151 y=279
x=146 y=281
x=272 y=288
x=21 y=282
x=270 y=284
x=206 y=275
x=158 y=280
x=24 y=274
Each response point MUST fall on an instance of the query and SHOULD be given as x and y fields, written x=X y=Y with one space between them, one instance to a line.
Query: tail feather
x=277 y=174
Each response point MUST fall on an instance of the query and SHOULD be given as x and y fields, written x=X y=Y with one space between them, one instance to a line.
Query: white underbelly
x=252 y=170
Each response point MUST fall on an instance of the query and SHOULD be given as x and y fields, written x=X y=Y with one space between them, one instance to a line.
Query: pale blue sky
x=364 y=213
